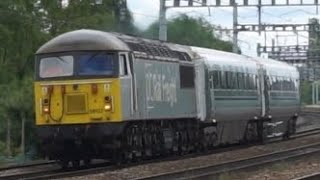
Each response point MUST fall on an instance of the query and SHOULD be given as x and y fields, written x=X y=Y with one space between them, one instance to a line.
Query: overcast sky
x=146 y=11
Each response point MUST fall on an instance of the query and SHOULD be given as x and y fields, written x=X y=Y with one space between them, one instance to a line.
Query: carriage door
x=200 y=90
x=126 y=81
x=264 y=90
x=266 y=82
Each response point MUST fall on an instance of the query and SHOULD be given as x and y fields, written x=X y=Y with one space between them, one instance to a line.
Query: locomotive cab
x=91 y=92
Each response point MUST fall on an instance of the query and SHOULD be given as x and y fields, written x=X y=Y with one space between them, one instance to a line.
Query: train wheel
x=154 y=148
x=203 y=138
x=127 y=148
x=76 y=164
x=262 y=132
x=251 y=133
x=214 y=137
x=64 y=164
x=133 y=143
x=183 y=139
x=291 y=128
x=87 y=162
x=147 y=142
x=137 y=143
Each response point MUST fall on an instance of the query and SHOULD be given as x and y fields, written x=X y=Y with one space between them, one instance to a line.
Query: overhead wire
x=145 y=15
x=288 y=20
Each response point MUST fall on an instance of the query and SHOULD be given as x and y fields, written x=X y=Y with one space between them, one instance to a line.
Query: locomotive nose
x=78 y=102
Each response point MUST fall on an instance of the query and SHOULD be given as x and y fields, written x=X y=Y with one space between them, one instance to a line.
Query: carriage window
x=226 y=80
x=277 y=84
x=229 y=80
x=248 y=82
x=57 y=66
x=186 y=76
x=223 y=80
x=240 y=80
x=234 y=81
x=245 y=83
x=96 y=64
x=294 y=85
x=273 y=83
x=217 y=79
x=211 y=80
x=251 y=80
x=255 y=81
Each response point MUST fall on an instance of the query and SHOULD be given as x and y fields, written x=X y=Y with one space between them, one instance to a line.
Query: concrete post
x=162 y=21
x=235 y=31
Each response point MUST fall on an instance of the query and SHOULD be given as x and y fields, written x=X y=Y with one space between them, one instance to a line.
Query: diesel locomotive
x=112 y=96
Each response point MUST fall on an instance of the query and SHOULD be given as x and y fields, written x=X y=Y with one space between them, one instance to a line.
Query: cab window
x=57 y=66
x=123 y=67
x=96 y=64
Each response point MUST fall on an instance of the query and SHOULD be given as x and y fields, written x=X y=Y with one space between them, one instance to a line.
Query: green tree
x=111 y=15
x=306 y=92
x=21 y=35
x=190 y=31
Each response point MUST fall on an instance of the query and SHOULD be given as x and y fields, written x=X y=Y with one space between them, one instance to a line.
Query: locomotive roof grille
x=183 y=56
x=156 y=50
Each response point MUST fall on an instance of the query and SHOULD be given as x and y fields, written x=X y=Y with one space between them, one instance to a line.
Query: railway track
x=213 y=171
x=314 y=176
x=26 y=165
x=20 y=171
x=56 y=172
x=306 y=133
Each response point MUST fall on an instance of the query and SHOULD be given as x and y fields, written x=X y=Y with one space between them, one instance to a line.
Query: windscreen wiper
x=61 y=59
x=94 y=55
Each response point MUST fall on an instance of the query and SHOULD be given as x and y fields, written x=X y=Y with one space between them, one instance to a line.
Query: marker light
x=94 y=88
x=107 y=99
x=107 y=107
x=45 y=102
x=63 y=89
x=46 y=109
x=50 y=89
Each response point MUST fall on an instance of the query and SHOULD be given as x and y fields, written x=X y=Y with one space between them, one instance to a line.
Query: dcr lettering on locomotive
x=160 y=84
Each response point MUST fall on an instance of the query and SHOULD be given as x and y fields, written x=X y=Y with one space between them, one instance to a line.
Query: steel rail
x=304 y=133
x=59 y=173
x=26 y=165
x=314 y=176
x=27 y=175
x=66 y=174
x=212 y=171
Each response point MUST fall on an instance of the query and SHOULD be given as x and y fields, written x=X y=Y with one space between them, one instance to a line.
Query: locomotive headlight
x=44 y=91
x=46 y=109
x=107 y=107
x=108 y=103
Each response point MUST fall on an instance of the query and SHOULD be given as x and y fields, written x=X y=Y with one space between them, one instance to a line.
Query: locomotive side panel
x=159 y=91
